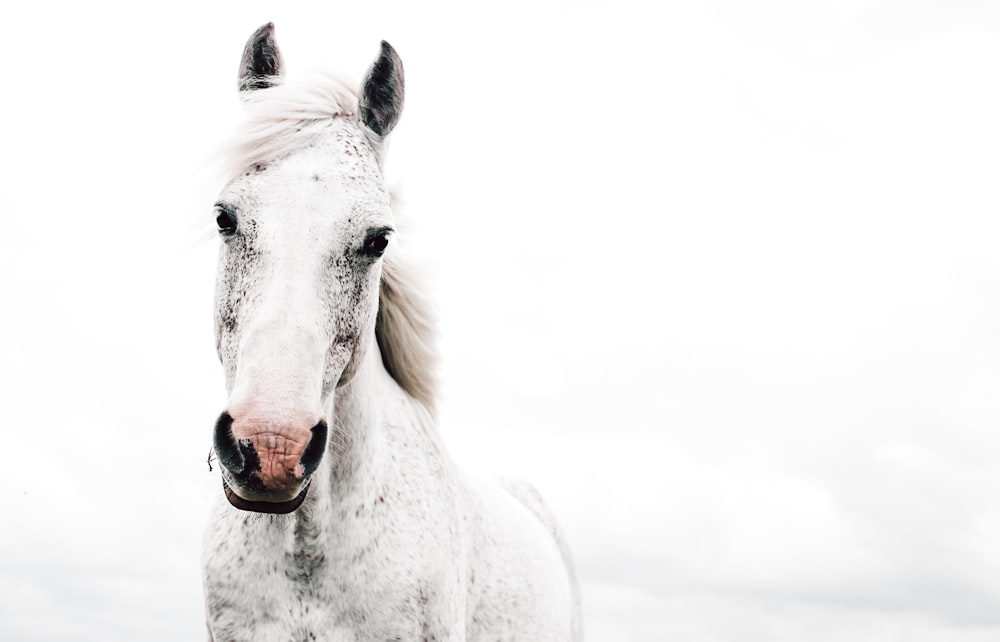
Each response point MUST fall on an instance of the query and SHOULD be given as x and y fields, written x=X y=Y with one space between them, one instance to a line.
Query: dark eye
x=226 y=221
x=375 y=245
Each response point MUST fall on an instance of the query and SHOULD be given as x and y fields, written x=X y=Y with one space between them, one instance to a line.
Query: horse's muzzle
x=267 y=473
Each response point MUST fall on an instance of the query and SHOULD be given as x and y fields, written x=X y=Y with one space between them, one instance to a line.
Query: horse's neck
x=358 y=438
x=370 y=418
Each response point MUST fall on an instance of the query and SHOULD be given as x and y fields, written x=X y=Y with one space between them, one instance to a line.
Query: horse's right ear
x=261 y=65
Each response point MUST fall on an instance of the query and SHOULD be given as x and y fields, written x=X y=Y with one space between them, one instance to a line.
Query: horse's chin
x=279 y=508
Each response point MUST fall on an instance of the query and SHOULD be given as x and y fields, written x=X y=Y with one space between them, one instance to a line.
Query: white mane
x=286 y=117
x=291 y=115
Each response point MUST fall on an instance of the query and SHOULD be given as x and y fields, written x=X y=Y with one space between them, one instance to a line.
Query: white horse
x=342 y=516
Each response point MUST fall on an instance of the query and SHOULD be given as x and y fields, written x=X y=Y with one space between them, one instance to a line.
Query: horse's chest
x=367 y=589
x=298 y=599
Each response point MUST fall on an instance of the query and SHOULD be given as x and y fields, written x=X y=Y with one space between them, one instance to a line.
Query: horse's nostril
x=315 y=449
x=226 y=446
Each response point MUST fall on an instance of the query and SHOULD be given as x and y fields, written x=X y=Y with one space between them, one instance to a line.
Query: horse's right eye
x=226 y=222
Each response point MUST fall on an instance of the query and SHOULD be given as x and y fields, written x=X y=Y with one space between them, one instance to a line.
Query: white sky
x=721 y=278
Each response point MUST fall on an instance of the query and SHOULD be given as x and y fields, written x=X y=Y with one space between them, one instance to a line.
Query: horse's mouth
x=279 y=508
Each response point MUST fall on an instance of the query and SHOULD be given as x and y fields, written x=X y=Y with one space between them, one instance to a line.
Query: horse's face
x=296 y=299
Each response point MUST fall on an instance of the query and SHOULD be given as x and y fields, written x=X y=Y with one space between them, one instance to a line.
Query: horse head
x=304 y=221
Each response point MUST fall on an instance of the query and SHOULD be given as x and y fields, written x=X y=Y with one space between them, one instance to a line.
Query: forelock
x=289 y=116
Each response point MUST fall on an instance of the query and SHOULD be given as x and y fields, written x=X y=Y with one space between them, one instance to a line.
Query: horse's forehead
x=330 y=176
x=329 y=170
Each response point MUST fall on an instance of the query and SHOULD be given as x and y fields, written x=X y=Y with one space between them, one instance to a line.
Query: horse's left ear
x=381 y=100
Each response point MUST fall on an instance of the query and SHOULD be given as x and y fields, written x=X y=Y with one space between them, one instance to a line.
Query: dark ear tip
x=388 y=51
x=263 y=31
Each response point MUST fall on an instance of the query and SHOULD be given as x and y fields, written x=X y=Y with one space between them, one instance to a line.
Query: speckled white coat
x=392 y=541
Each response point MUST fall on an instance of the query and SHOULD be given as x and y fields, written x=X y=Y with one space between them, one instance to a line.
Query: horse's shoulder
x=519 y=549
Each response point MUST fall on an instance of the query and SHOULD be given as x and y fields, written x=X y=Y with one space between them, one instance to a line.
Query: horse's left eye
x=375 y=246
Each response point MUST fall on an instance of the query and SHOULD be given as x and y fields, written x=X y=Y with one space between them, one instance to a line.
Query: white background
x=721 y=278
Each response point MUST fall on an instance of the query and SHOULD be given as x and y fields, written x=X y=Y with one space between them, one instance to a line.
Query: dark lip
x=278 y=508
